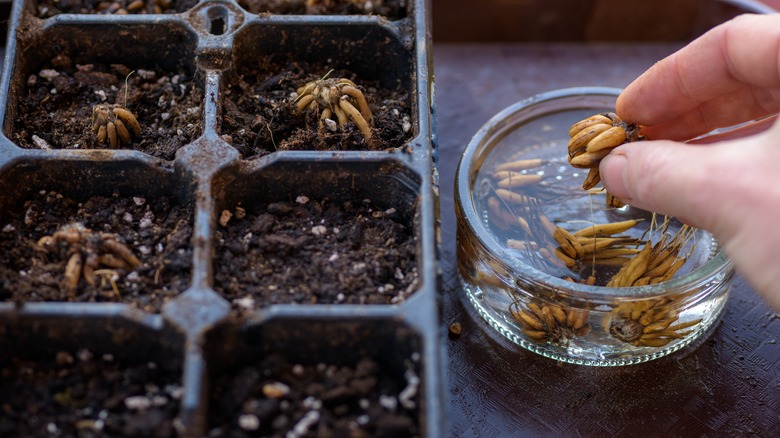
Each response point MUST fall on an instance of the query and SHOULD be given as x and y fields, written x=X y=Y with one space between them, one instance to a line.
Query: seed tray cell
x=233 y=231
x=343 y=233
x=365 y=378
x=57 y=88
x=107 y=205
x=390 y=9
x=95 y=376
x=271 y=61
x=50 y=8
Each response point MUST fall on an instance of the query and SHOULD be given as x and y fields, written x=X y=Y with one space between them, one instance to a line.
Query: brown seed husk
x=593 y=178
x=517 y=181
x=522 y=245
x=606 y=229
x=514 y=198
x=582 y=139
x=609 y=139
x=590 y=121
x=588 y=159
x=520 y=164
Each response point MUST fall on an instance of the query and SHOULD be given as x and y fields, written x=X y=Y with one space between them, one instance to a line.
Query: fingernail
x=612 y=169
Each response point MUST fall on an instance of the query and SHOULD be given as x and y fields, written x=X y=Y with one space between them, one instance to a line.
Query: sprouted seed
x=592 y=139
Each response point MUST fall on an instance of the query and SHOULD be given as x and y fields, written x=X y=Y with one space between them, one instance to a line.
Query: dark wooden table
x=728 y=385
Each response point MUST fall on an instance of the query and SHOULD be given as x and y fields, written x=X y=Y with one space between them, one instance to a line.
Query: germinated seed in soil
x=55 y=111
x=260 y=116
x=157 y=231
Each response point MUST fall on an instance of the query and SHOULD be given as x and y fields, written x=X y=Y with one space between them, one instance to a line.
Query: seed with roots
x=89 y=250
x=646 y=323
x=592 y=139
x=550 y=322
x=339 y=97
x=110 y=123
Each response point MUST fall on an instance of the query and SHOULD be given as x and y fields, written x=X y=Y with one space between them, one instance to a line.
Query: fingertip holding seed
x=612 y=170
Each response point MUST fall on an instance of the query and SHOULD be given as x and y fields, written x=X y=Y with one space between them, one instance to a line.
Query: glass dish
x=506 y=246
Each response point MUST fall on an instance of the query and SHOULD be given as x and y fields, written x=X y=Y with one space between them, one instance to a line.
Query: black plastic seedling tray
x=284 y=276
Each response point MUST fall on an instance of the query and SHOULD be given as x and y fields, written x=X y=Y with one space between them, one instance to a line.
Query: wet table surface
x=728 y=385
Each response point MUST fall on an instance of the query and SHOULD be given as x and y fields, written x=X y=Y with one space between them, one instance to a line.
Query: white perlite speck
x=300 y=429
x=146 y=221
x=247 y=302
x=137 y=403
x=388 y=402
x=84 y=355
x=175 y=391
x=48 y=73
x=406 y=125
x=40 y=143
x=408 y=393
x=311 y=402
x=248 y=422
x=331 y=125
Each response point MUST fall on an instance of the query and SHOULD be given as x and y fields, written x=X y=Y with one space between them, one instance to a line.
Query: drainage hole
x=218 y=16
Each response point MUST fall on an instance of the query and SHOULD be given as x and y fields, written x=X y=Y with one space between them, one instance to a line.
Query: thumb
x=730 y=188
x=703 y=185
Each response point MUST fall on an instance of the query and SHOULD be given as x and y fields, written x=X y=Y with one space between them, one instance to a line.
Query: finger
x=737 y=62
x=722 y=112
x=706 y=186
x=745 y=130
x=730 y=188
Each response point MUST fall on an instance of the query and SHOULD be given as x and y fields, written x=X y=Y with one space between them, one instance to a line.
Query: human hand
x=728 y=76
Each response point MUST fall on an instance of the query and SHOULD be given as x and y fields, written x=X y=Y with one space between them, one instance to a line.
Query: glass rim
x=489 y=134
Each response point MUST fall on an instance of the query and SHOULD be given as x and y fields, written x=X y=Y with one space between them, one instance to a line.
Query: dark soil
x=275 y=398
x=391 y=9
x=57 y=106
x=315 y=252
x=50 y=8
x=260 y=117
x=156 y=231
x=76 y=394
